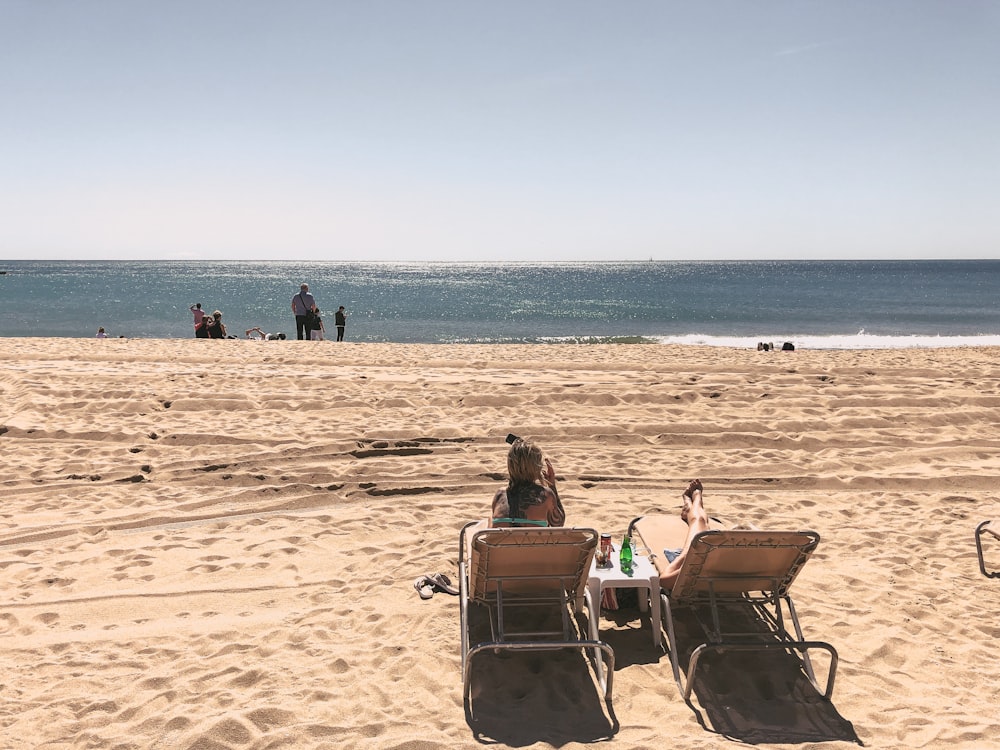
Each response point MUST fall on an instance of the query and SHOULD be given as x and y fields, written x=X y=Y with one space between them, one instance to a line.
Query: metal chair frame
x=983 y=528
x=765 y=594
x=501 y=593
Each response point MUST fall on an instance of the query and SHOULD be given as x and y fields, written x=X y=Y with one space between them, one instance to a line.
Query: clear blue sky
x=517 y=130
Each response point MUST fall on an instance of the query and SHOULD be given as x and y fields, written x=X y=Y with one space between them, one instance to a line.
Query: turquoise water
x=814 y=304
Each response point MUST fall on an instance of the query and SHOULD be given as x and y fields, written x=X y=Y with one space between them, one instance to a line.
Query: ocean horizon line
x=606 y=261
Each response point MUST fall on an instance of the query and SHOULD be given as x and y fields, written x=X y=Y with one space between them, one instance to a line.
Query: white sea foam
x=859 y=340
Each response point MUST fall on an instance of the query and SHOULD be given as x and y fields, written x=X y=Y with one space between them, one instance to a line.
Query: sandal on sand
x=424 y=587
x=443 y=583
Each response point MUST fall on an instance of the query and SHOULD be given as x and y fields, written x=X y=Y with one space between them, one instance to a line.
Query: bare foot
x=694 y=486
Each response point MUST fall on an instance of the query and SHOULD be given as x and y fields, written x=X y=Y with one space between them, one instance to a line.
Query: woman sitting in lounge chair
x=530 y=498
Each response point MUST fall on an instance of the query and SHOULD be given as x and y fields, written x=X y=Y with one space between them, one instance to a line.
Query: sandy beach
x=211 y=545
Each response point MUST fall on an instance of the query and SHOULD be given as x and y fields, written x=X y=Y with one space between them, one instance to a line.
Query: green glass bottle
x=626 y=556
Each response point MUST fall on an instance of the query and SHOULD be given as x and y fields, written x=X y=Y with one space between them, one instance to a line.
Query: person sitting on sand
x=207 y=324
x=101 y=333
x=217 y=329
x=201 y=329
x=530 y=497
x=694 y=514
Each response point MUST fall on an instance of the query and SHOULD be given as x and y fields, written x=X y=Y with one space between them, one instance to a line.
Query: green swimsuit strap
x=522 y=521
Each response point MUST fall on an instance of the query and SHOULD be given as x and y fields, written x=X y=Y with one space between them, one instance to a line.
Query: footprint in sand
x=266 y=719
x=204 y=569
x=339 y=666
x=8 y=622
x=155 y=683
x=227 y=733
x=248 y=679
x=108 y=707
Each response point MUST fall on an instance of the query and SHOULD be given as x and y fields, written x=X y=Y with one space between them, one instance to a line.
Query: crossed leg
x=693 y=512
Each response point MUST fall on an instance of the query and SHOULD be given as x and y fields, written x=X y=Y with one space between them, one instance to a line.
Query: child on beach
x=317 y=330
x=198 y=314
x=101 y=334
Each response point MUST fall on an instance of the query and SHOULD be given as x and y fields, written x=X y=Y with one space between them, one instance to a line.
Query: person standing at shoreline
x=341 y=320
x=203 y=322
x=318 y=330
x=199 y=315
x=303 y=305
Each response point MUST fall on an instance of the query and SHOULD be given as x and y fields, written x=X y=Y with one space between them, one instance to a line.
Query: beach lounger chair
x=752 y=570
x=984 y=528
x=506 y=570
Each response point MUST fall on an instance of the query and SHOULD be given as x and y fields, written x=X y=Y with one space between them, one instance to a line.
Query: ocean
x=812 y=304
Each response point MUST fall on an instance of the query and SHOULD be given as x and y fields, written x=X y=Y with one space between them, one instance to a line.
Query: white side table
x=644 y=576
